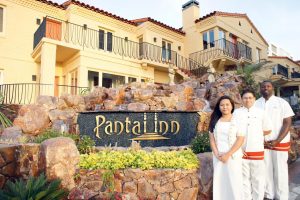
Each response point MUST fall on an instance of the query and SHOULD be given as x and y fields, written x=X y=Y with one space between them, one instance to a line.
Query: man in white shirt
x=255 y=123
x=277 y=143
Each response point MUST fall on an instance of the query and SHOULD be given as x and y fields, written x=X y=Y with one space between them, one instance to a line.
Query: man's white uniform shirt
x=253 y=122
x=277 y=109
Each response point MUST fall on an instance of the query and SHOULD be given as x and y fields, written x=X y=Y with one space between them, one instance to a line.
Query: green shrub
x=201 y=143
x=53 y=134
x=4 y=121
x=184 y=159
x=32 y=189
x=85 y=144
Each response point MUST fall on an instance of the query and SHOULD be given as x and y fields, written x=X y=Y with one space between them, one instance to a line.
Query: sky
x=277 y=20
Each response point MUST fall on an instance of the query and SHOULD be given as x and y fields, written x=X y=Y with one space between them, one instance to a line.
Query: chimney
x=190 y=12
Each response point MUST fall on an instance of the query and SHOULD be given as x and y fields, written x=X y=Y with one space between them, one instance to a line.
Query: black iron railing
x=97 y=39
x=281 y=70
x=222 y=47
x=27 y=93
x=68 y=89
x=295 y=75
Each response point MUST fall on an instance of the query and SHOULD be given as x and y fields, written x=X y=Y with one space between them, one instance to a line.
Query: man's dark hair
x=266 y=81
x=248 y=91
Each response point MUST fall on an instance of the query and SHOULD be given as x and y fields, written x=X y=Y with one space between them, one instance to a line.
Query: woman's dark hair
x=216 y=115
x=248 y=91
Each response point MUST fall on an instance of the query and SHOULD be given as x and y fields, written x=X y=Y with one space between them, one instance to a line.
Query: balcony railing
x=295 y=75
x=27 y=93
x=222 y=47
x=281 y=70
x=96 y=39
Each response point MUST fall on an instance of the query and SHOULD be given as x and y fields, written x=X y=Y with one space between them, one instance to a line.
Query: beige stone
x=130 y=187
x=190 y=194
x=60 y=158
x=32 y=119
x=145 y=189
x=48 y=102
x=61 y=114
x=185 y=182
x=138 y=107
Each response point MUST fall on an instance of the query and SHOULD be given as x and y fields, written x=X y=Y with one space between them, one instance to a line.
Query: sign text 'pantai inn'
x=150 y=129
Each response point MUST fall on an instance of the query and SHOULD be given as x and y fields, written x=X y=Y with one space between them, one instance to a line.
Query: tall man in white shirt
x=277 y=143
x=255 y=123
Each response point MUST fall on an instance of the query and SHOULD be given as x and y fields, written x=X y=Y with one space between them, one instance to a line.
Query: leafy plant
x=248 y=73
x=47 y=134
x=113 y=160
x=200 y=143
x=85 y=144
x=5 y=122
x=32 y=189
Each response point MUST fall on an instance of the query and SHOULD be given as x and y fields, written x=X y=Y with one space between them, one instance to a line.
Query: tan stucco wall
x=16 y=44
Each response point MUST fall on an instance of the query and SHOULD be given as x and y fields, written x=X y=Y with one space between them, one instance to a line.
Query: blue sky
x=277 y=20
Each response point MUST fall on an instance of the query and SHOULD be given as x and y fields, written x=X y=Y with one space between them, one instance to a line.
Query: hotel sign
x=149 y=128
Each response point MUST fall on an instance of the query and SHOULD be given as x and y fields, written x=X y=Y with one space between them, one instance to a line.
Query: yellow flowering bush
x=109 y=159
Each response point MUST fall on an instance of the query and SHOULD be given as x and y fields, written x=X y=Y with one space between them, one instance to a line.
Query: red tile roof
x=227 y=14
x=51 y=3
x=149 y=19
x=284 y=57
x=92 y=8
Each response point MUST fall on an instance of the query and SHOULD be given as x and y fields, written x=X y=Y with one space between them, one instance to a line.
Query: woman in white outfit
x=226 y=141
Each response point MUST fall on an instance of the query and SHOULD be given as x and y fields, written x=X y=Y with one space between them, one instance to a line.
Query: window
x=1 y=19
x=131 y=79
x=112 y=81
x=205 y=40
x=208 y=39
x=258 y=51
x=109 y=41
x=221 y=34
x=141 y=47
x=166 y=50
x=101 y=39
x=211 y=38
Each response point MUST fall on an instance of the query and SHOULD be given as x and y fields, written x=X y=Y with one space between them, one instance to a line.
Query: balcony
x=281 y=71
x=222 y=48
x=295 y=75
x=84 y=37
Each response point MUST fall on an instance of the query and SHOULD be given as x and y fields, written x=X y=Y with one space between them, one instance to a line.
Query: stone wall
x=135 y=184
x=24 y=160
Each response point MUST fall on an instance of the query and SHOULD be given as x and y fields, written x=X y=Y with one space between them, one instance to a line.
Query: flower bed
x=184 y=159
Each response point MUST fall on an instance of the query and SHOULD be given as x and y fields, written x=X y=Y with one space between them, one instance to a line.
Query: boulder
x=48 y=102
x=13 y=135
x=205 y=176
x=61 y=114
x=138 y=107
x=32 y=119
x=59 y=156
x=74 y=101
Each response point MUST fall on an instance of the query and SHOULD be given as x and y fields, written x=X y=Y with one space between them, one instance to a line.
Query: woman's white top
x=225 y=134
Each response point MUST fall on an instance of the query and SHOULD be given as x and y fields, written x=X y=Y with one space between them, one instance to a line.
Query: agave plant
x=32 y=189
x=3 y=119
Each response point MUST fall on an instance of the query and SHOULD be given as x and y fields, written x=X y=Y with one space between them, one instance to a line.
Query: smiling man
x=277 y=143
x=255 y=123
